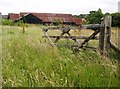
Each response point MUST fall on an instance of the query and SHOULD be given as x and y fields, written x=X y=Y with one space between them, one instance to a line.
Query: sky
x=74 y=7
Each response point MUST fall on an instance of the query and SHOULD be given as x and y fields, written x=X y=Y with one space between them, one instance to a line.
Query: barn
x=44 y=18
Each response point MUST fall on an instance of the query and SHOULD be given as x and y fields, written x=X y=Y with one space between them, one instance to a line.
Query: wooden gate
x=103 y=29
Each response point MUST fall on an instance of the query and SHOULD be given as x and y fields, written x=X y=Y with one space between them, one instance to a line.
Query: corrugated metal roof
x=49 y=17
x=13 y=16
x=78 y=21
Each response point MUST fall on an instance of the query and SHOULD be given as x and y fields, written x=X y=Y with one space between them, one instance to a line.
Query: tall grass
x=115 y=36
x=29 y=61
x=0 y=55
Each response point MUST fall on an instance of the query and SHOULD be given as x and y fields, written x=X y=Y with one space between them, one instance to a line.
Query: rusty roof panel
x=49 y=17
x=13 y=16
x=78 y=21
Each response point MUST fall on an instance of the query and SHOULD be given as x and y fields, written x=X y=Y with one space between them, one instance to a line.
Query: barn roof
x=51 y=17
x=13 y=16
x=78 y=21
x=48 y=17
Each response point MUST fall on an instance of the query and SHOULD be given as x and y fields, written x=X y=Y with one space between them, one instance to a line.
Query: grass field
x=29 y=61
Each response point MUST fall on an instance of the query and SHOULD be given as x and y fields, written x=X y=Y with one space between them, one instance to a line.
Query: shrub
x=19 y=23
x=7 y=22
x=58 y=22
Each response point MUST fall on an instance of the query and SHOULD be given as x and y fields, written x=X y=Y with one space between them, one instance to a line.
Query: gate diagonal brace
x=66 y=30
x=45 y=33
x=89 y=38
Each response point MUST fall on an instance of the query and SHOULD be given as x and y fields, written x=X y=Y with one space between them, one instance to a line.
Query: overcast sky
x=58 y=6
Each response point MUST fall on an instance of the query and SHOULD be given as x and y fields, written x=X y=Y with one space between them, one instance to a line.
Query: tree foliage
x=115 y=19
x=95 y=16
x=81 y=15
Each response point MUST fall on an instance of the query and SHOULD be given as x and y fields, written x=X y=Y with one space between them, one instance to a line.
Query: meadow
x=29 y=61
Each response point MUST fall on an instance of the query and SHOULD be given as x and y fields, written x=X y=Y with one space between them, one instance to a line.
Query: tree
x=115 y=19
x=81 y=15
x=95 y=16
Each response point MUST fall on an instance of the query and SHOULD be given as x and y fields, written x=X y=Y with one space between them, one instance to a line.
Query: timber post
x=101 y=37
x=107 y=33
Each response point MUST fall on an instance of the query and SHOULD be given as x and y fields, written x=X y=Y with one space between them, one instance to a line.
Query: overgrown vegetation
x=58 y=22
x=29 y=61
x=11 y=23
x=7 y=22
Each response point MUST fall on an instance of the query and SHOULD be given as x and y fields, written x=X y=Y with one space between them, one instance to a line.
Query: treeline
x=94 y=17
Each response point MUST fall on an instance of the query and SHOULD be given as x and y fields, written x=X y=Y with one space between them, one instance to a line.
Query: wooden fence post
x=108 y=20
x=101 y=37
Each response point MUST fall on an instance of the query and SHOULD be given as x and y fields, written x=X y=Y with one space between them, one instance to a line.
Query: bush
x=19 y=23
x=11 y=23
x=58 y=22
x=7 y=22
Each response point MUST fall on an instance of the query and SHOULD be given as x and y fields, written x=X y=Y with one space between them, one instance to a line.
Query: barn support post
x=101 y=36
x=108 y=20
